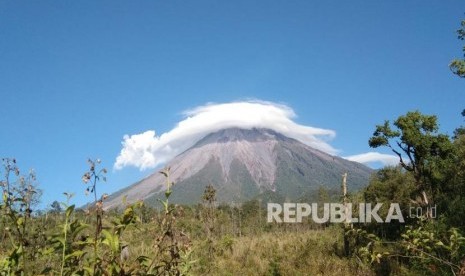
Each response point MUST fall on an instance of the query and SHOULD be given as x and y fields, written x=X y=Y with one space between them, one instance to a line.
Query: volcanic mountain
x=243 y=164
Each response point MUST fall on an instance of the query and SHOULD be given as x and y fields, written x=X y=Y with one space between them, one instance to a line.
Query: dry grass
x=285 y=253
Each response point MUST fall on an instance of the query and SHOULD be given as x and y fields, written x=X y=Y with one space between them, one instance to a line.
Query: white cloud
x=369 y=157
x=147 y=150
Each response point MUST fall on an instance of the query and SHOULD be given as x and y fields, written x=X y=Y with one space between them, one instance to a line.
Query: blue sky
x=76 y=76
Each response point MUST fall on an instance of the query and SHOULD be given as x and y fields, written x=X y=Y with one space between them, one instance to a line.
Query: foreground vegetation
x=212 y=239
x=175 y=240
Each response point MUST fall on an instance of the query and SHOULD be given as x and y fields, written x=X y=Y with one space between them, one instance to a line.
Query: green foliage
x=438 y=252
x=390 y=185
x=209 y=195
x=226 y=243
x=56 y=207
x=426 y=248
x=273 y=270
x=458 y=65
x=422 y=151
x=19 y=195
x=172 y=246
x=435 y=165
x=74 y=247
x=209 y=217
x=363 y=245
x=450 y=200
x=415 y=137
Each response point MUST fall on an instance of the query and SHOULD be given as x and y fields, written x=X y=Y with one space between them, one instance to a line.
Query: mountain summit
x=243 y=164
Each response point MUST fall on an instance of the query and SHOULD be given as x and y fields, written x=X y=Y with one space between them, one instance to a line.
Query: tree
x=208 y=218
x=56 y=207
x=419 y=146
x=452 y=201
x=458 y=65
x=460 y=130
x=209 y=200
x=390 y=185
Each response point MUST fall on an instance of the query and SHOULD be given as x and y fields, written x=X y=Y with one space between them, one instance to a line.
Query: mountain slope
x=243 y=164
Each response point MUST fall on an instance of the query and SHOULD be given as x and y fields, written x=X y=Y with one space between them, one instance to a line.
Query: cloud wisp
x=147 y=150
x=372 y=157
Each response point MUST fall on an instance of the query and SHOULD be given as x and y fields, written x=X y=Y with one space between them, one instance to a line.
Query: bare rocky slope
x=243 y=164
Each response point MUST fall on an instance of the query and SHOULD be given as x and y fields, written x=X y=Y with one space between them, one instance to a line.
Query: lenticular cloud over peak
x=147 y=150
